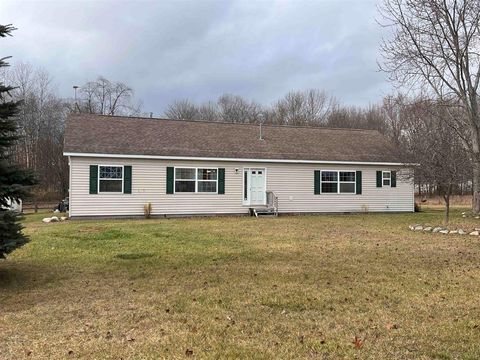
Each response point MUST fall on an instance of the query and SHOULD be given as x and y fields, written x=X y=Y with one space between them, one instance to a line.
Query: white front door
x=257 y=187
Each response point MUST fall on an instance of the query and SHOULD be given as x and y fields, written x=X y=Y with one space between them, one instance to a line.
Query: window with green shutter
x=221 y=181
x=379 y=179
x=358 y=184
x=127 y=179
x=93 y=179
x=393 y=179
x=316 y=182
x=170 y=179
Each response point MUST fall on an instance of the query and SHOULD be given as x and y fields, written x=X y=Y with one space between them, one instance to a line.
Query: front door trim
x=247 y=172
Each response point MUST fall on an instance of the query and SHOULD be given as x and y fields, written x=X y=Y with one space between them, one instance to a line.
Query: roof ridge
x=226 y=122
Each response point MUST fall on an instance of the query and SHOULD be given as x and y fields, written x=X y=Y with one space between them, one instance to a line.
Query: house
x=118 y=164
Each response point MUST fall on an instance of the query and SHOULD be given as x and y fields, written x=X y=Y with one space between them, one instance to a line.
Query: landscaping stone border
x=54 y=219
x=444 y=230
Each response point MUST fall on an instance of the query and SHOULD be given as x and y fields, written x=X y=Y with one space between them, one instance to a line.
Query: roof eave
x=193 y=158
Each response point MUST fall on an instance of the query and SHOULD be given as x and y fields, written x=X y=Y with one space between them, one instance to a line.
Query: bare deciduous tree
x=436 y=44
x=182 y=110
x=106 y=97
x=234 y=108
x=427 y=141
x=41 y=121
x=311 y=107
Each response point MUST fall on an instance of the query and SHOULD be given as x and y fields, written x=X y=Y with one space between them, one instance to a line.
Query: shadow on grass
x=15 y=275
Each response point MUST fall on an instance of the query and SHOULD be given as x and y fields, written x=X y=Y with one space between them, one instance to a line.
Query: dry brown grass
x=292 y=287
x=455 y=201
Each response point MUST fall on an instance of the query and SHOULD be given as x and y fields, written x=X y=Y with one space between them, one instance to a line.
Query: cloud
x=200 y=49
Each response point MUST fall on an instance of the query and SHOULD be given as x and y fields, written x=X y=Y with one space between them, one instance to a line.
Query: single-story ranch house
x=118 y=164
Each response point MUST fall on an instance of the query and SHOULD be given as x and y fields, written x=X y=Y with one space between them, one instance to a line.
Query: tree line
x=41 y=121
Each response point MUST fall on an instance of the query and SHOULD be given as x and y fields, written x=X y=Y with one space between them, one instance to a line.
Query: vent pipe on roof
x=260 y=119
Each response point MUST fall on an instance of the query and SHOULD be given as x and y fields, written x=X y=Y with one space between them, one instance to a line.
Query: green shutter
x=379 y=179
x=127 y=179
x=358 y=179
x=221 y=181
x=170 y=171
x=93 y=179
x=394 y=179
x=316 y=182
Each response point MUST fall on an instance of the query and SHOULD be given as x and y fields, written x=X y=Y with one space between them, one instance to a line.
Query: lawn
x=290 y=287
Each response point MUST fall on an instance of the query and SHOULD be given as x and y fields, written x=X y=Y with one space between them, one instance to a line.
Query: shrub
x=147 y=210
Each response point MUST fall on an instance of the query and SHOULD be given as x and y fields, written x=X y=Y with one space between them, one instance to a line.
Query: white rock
x=443 y=231
x=464 y=215
x=428 y=228
x=418 y=228
x=461 y=232
x=477 y=217
x=453 y=232
x=63 y=218
x=46 y=220
x=54 y=218
x=411 y=227
x=475 y=233
x=437 y=229
x=56 y=211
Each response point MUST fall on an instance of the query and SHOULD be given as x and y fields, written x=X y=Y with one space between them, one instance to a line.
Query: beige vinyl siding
x=293 y=183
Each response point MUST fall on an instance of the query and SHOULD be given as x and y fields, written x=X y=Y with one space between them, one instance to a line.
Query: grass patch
x=133 y=256
x=292 y=287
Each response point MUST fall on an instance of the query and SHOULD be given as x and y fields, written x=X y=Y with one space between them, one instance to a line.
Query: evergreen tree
x=13 y=180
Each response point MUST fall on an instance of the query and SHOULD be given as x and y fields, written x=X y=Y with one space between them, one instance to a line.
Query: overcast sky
x=201 y=49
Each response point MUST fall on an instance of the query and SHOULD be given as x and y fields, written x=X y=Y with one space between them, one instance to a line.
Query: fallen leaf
x=391 y=326
x=189 y=352
x=358 y=342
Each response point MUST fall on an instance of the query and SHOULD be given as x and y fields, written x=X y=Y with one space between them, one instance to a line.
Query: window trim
x=196 y=180
x=98 y=179
x=389 y=178
x=354 y=182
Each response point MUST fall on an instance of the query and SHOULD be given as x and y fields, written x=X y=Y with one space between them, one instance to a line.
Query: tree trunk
x=447 y=204
x=476 y=186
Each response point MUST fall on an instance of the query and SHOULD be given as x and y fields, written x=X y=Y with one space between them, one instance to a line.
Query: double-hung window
x=110 y=179
x=386 y=178
x=201 y=180
x=338 y=182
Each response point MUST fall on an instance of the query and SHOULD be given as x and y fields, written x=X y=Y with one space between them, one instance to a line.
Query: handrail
x=272 y=201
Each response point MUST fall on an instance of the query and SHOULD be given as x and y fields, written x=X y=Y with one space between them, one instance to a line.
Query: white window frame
x=98 y=179
x=196 y=180
x=389 y=178
x=338 y=182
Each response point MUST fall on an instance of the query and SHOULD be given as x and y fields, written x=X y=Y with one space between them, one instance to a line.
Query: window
x=110 y=179
x=185 y=180
x=386 y=178
x=330 y=182
x=196 y=180
x=207 y=180
x=338 y=182
x=347 y=182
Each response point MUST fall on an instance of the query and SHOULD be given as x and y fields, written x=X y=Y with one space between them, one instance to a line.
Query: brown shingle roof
x=145 y=136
